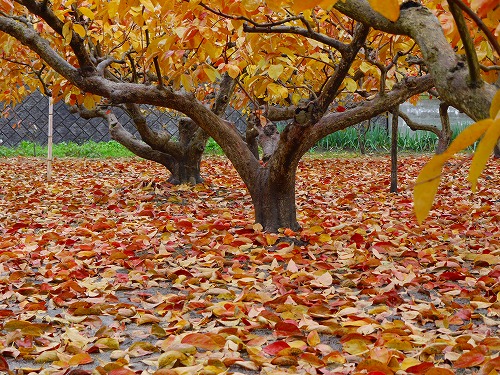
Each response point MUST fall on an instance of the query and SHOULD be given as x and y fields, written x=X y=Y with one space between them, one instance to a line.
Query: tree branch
x=470 y=51
x=29 y=37
x=491 y=38
x=416 y=126
x=308 y=33
x=331 y=88
x=365 y=110
x=76 y=44
x=449 y=72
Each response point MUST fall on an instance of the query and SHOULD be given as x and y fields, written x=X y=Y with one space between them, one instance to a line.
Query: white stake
x=49 y=141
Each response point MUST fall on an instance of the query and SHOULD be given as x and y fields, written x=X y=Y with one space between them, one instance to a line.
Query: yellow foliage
x=430 y=176
x=388 y=8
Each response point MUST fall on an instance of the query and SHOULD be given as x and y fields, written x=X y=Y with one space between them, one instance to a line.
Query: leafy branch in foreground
x=430 y=177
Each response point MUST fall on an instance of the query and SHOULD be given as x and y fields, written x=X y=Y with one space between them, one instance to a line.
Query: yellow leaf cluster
x=430 y=176
x=388 y=8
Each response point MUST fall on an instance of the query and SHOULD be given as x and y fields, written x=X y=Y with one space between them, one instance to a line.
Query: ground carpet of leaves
x=109 y=270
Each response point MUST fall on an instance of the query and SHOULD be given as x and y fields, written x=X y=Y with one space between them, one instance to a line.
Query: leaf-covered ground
x=111 y=271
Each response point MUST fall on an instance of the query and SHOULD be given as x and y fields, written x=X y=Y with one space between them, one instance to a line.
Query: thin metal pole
x=49 y=141
x=394 y=150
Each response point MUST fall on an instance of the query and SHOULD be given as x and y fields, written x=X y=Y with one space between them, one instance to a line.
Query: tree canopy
x=322 y=65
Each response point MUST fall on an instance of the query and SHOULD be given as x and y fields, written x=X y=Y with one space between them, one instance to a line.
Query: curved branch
x=139 y=148
x=365 y=110
x=470 y=51
x=156 y=140
x=308 y=33
x=416 y=126
x=28 y=36
x=77 y=43
x=480 y=24
x=331 y=87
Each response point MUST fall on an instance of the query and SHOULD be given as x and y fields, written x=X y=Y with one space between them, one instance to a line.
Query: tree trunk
x=274 y=200
x=444 y=136
x=192 y=140
x=187 y=170
x=361 y=130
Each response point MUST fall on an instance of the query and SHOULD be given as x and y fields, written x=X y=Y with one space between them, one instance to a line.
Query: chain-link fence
x=28 y=122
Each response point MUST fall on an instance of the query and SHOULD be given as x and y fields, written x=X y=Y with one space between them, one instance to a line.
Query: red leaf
x=287 y=329
x=469 y=359
x=421 y=368
x=453 y=276
x=357 y=238
x=4 y=366
x=340 y=108
x=390 y=298
x=275 y=347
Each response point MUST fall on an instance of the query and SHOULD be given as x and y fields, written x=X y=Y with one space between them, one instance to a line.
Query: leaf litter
x=110 y=270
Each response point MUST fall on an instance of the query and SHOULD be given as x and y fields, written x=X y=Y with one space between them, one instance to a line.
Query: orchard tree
x=323 y=65
x=181 y=156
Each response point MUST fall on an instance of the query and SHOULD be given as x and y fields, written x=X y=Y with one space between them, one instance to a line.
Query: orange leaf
x=469 y=359
x=372 y=365
x=301 y=5
x=427 y=185
x=80 y=359
x=313 y=338
x=205 y=341
x=483 y=152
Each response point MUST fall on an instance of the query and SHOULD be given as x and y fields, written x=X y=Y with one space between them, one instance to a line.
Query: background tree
x=320 y=56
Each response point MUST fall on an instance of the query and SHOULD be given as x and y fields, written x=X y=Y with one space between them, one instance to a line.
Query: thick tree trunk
x=186 y=171
x=274 y=200
x=192 y=142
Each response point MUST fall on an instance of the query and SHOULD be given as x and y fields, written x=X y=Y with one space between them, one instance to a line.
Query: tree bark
x=192 y=142
x=273 y=198
x=444 y=136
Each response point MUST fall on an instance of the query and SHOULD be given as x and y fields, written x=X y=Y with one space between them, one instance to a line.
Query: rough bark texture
x=273 y=197
x=192 y=142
